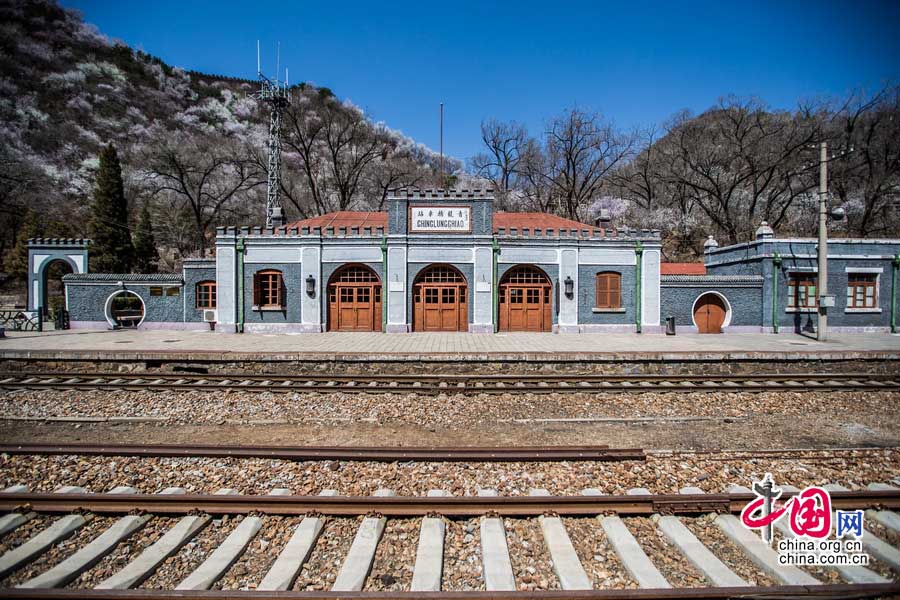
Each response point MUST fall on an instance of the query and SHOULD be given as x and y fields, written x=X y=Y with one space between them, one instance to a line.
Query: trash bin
x=670 y=325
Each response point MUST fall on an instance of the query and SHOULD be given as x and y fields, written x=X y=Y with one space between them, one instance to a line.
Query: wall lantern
x=310 y=286
x=570 y=287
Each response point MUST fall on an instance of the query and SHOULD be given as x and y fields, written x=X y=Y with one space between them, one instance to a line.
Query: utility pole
x=823 y=298
x=441 y=184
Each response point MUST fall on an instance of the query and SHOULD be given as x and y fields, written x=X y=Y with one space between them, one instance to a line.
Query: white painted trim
x=790 y=270
x=863 y=270
x=862 y=310
x=728 y=313
x=118 y=293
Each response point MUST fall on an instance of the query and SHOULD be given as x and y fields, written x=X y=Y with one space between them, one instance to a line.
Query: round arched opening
x=53 y=291
x=711 y=312
x=524 y=298
x=354 y=299
x=125 y=310
x=440 y=300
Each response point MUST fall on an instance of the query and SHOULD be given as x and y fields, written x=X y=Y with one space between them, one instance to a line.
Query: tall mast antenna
x=276 y=96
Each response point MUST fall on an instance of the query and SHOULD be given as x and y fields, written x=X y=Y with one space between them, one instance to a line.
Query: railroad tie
x=760 y=553
x=58 y=530
x=10 y=521
x=565 y=560
x=358 y=563
x=217 y=563
x=430 y=552
x=142 y=567
x=288 y=564
x=498 y=573
x=853 y=574
x=873 y=544
x=887 y=518
x=89 y=555
x=713 y=569
x=633 y=557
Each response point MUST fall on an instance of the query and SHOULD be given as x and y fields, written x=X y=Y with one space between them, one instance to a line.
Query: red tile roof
x=532 y=220
x=506 y=220
x=691 y=268
x=344 y=218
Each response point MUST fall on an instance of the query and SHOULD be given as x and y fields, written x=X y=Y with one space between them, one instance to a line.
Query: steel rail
x=434 y=384
x=828 y=591
x=409 y=506
x=347 y=453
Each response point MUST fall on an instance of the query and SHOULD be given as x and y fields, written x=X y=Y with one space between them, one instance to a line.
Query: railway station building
x=444 y=260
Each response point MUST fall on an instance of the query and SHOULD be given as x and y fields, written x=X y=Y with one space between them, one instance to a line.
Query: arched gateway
x=354 y=300
x=439 y=300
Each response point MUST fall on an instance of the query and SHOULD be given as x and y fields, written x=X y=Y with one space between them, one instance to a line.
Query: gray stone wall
x=88 y=301
x=587 y=295
x=294 y=287
x=193 y=276
x=745 y=302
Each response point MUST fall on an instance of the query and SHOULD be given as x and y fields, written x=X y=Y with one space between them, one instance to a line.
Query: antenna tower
x=277 y=96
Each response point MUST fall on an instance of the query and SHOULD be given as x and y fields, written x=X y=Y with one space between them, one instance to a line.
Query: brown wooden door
x=354 y=300
x=439 y=300
x=709 y=314
x=524 y=298
x=439 y=308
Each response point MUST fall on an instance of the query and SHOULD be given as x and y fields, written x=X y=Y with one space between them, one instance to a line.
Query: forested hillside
x=719 y=173
x=192 y=146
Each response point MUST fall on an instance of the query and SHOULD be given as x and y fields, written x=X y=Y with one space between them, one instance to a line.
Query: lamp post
x=822 y=330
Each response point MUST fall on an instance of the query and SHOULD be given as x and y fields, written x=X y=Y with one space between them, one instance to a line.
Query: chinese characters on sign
x=440 y=219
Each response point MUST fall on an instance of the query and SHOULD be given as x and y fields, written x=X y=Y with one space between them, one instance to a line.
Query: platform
x=190 y=345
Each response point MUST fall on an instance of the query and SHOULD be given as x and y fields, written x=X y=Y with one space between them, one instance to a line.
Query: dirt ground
x=760 y=431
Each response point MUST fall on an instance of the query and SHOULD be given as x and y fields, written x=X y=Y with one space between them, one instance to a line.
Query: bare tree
x=581 y=150
x=203 y=177
x=867 y=180
x=505 y=143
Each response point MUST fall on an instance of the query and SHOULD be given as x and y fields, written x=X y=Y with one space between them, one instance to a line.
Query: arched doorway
x=53 y=292
x=354 y=299
x=440 y=300
x=711 y=313
x=524 y=298
x=125 y=309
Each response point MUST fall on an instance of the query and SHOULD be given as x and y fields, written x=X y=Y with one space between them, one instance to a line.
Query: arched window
x=609 y=290
x=268 y=290
x=206 y=294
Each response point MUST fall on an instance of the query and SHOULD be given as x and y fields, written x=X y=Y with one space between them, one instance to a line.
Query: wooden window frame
x=795 y=281
x=264 y=282
x=210 y=294
x=864 y=281
x=608 y=302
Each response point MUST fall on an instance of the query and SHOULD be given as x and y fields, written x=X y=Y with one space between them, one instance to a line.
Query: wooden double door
x=709 y=313
x=354 y=300
x=440 y=300
x=525 y=300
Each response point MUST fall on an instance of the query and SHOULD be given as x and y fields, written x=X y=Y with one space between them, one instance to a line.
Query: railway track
x=621 y=521
x=354 y=453
x=436 y=384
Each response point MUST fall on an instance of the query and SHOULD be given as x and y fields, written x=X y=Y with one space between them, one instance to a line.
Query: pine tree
x=146 y=258
x=16 y=263
x=111 y=249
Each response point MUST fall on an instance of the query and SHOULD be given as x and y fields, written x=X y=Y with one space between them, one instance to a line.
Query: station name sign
x=440 y=219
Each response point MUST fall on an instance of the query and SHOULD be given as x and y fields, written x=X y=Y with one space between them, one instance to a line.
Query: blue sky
x=638 y=63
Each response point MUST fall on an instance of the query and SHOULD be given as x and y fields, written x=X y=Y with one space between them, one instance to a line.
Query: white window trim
x=808 y=310
x=877 y=271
